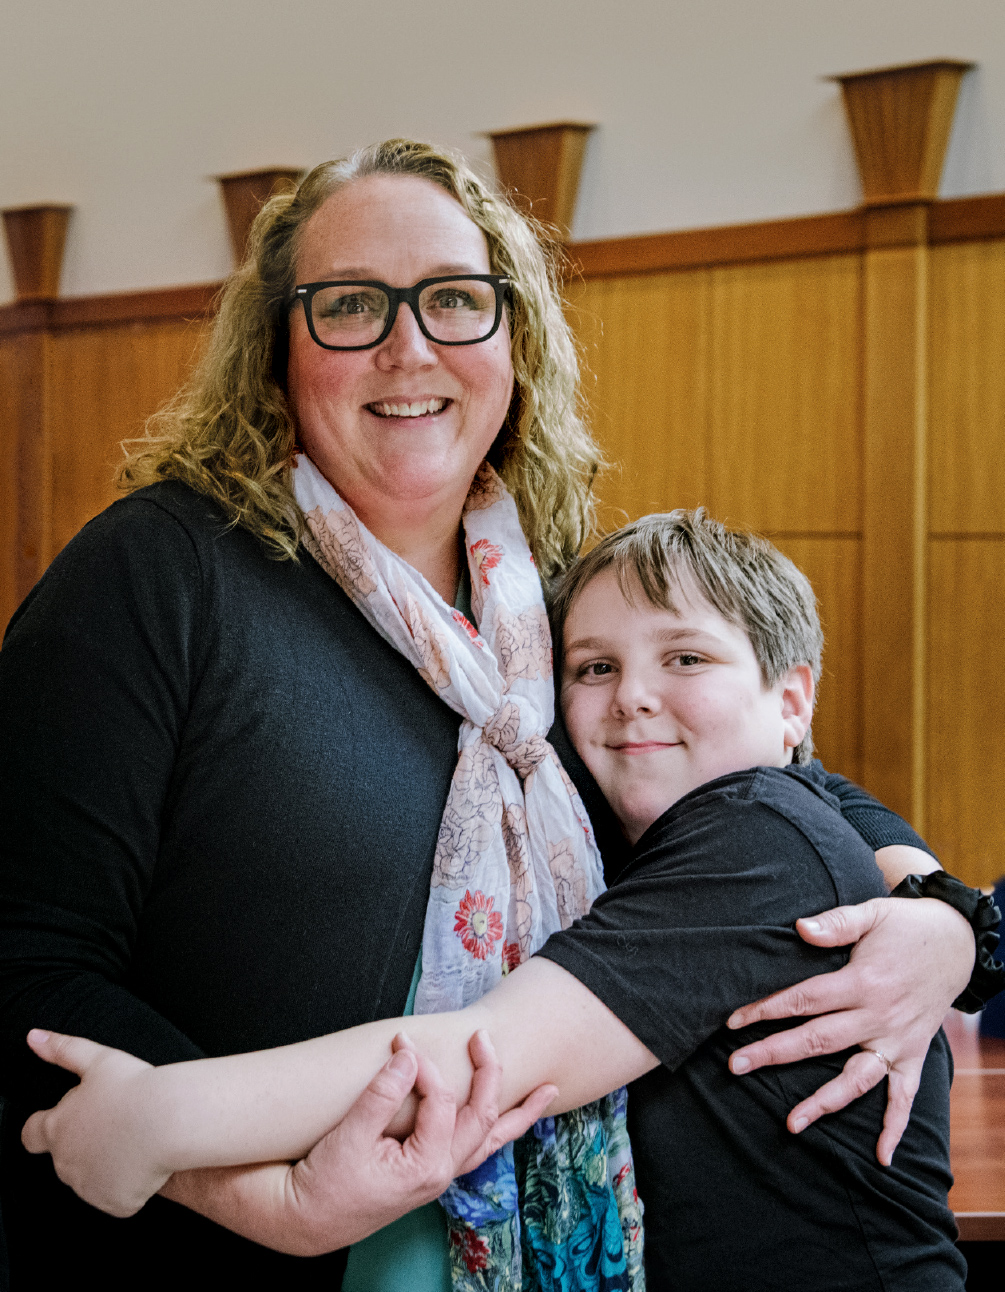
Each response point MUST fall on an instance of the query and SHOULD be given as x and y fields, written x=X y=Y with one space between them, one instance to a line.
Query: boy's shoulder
x=766 y=814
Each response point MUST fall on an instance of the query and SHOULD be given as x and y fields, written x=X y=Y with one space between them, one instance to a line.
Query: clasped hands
x=103 y=1137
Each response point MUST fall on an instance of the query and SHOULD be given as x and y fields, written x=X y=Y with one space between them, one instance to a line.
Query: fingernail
x=812 y=926
x=740 y=1066
x=735 y=1020
x=403 y=1063
x=800 y=1124
x=38 y=1034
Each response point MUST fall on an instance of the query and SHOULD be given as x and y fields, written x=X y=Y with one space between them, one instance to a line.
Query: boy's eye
x=597 y=668
x=687 y=661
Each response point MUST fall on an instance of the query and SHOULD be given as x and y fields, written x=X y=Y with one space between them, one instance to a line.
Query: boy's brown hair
x=742 y=576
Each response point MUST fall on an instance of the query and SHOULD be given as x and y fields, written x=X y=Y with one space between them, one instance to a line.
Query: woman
x=224 y=788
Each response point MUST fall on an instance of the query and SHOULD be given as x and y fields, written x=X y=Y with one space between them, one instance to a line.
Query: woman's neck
x=432 y=547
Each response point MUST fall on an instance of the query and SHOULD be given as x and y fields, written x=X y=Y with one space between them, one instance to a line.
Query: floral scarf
x=515 y=861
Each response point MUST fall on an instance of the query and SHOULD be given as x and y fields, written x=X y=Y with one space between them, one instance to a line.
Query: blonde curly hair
x=230 y=434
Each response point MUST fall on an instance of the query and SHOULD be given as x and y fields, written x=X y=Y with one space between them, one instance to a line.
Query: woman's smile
x=399 y=429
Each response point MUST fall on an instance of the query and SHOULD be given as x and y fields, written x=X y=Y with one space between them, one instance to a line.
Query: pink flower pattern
x=477 y=925
x=486 y=556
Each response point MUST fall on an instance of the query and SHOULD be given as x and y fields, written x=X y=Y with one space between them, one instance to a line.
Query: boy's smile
x=658 y=703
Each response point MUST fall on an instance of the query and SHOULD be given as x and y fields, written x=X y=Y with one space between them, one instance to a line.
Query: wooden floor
x=977 y=1131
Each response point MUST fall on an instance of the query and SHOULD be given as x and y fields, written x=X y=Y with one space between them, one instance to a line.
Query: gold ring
x=879 y=1055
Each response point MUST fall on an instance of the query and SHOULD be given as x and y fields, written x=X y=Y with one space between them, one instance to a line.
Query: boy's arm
x=127 y=1127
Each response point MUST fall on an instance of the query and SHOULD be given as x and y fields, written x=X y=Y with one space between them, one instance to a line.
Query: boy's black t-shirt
x=734 y=1200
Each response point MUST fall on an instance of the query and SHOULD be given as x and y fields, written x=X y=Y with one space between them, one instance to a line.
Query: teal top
x=409 y=1255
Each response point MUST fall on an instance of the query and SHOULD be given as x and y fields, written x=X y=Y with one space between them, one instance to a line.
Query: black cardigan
x=220 y=792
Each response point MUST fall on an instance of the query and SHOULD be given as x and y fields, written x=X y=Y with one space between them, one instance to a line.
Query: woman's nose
x=405 y=345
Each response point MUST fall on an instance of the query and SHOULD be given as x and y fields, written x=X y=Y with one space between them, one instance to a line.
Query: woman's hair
x=741 y=575
x=229 y=432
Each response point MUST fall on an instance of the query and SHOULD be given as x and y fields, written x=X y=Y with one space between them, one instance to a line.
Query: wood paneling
x=894 y=431
x=966 y=687
x=105 y=383
x=645 y=343
x=785 y=373
x=24 y=446
x=834 y=567
x=967 y=388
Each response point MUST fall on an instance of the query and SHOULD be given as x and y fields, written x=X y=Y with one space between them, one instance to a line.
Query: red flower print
x=468 y=627
x=510 y=956
x=477 y=925
x=474 y=1250
x=486 y=557
x=622 y=1174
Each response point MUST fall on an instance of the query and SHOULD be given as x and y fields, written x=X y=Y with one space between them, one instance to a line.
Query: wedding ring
x=879 y=1055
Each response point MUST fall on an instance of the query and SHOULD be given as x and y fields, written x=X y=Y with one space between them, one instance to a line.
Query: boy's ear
x=796 y=689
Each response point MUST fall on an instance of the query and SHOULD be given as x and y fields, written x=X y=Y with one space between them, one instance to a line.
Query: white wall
x=710 y=111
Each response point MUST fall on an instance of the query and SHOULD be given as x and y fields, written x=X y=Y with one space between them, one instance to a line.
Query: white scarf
x=515 y=859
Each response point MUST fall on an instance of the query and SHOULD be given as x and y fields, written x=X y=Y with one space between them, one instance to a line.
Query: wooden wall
x=817 y=380
x=757 y=389
x=76 y=378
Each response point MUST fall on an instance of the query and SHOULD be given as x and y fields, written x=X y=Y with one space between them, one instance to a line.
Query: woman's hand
x=357 y=1178
x=912 y=959
x=102 y=1134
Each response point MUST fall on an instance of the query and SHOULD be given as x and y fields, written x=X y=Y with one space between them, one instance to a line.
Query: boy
x=690 y=656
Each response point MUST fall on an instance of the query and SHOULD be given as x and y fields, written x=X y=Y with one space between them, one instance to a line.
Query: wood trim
x=967 y=219
x=981 y=1226
x=958 y=219
x=193 y=302
x=245 y=192
x=653 y=253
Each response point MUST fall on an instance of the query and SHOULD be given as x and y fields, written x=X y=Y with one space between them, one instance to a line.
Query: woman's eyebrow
x=358 y=273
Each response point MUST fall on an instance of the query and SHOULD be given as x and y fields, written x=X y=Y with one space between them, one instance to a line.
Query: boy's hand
x=357 y=1178
x=100 y=1134
x=911 y=960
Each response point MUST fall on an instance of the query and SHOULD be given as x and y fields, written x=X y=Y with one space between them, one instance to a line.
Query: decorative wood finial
x=245 y=193
x=900 y=119
x=540 y=165
x=35 y=239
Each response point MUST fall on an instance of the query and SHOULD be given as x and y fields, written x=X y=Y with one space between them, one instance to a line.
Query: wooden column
x=539 y=166
x=35 y=239
x=900 y=119
x=245 y=193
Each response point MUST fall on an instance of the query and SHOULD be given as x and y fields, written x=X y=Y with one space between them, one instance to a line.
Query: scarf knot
x=523 y=753
x=515 y=861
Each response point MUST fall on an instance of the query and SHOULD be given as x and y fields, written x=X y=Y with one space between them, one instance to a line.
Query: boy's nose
x=635 y=696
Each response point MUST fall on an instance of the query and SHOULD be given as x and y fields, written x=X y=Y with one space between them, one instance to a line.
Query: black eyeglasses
x=359 y=315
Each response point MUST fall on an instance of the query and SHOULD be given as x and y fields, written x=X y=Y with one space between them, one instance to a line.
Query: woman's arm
x=119 y=1135
x=91 y=706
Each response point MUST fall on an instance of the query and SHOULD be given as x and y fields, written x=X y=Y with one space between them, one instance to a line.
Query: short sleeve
x=701 y=922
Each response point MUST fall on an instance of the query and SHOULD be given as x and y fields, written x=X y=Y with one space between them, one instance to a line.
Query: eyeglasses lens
x=463 y=309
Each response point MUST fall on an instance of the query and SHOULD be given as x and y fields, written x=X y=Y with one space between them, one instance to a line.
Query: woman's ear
x=796 y=690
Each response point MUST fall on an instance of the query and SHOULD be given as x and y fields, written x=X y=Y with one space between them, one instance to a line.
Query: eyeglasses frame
x=396 y=296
